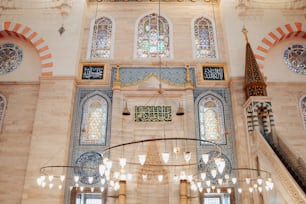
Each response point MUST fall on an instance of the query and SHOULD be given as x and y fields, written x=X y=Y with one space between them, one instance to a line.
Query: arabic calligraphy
x=93 y=72
x=153 y=114
x=213 y=73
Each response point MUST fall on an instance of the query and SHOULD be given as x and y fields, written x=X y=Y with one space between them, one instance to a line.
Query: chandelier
x=210 y=172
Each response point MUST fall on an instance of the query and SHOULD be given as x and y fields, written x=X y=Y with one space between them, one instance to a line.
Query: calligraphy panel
x=153 y=114
x=213 y=72
x=92 y=71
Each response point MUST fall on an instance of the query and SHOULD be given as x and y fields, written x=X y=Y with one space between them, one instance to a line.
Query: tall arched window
x=211 y=119
x=303 y=111
x=204 y=39
x=153 y=37
x=100 y=45
x=94 y=121
x=2 y=109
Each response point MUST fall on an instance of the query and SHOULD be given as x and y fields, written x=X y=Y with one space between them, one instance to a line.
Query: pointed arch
x=101 y=39
x=204 y=38
x=153 y=37
x=296 y=29
x=302 y=105
x=210 y=116
x=3 y=104
x=95 y=109
x=25 y=33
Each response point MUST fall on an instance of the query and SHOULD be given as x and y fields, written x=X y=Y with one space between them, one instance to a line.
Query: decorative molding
x=17 y=30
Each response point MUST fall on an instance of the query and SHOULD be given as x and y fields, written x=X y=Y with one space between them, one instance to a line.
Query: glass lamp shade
x=203 y=176
x=234 y=180
x=102 y=169
x=187 y=156
x=205 y=158
x=213 y=173
x=76 y=178
x=165 y=156
x=90 y=179
x=62 y=178
x=160 y=178
x=220 y=164
x=142 y=158
x=109 y=164
x=122 y=162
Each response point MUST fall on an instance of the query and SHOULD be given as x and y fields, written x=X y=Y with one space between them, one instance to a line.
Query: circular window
x=295 y=58
x=10 y=57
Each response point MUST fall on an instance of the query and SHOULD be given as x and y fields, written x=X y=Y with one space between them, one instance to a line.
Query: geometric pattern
x=281 y=33
x=11 y=29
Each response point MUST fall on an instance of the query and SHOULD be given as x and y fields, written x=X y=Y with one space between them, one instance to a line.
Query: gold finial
x=118 y=72
x=245 y=32
x=187 y=73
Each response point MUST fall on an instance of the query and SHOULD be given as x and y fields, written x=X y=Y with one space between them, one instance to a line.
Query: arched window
x=303 y=110
x=211 y=119
x=153 y=37
x=100 y=45
x=204 y=39
x=94 y=121
x=2 y=109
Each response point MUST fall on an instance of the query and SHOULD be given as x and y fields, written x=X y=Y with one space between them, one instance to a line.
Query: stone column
x=122 y=192
x=183 y=192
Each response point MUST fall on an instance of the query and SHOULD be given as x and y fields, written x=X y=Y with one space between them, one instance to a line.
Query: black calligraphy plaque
x=213 y=73
x=92 y=72
x=153 y=114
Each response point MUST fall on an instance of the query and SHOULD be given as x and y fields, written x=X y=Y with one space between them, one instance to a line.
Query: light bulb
x=205 y=158
x=103 y=181
x=76 y=179
x=165 y=156
x=234 y=180
x=81 y=188
x=160 y=178
x=251 y=190
x=239 y=190
x=208 y=182
x=102 y=189
x=92 y=189
x=247 y=180
x=220 y=163
x=218 y=190
x=187 y=156
x=142 y=158
x=260 y=189
x=122 y=162
x=208 y=190
x=50 y=178
x=116 y=174
x=229 y=190
x=220 y=181
x=203 y=176
x=50 y=185
x=259 y=181
x=90 y=180
x=102 y=169
x=213 y=173
x=62 y=178
x=60 y=187
x=109 y=164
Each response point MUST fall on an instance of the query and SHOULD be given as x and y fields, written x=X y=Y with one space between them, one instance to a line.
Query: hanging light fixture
x=126 y=110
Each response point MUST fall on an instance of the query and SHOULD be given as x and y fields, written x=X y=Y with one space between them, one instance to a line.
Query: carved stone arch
x=197 y=101
x=302 y=106
x=296 y=29
x=3 y=103
x=108 y=102
x=25 y=33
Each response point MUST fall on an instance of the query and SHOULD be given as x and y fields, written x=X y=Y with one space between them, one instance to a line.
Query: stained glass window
x=2 y=109
x=204 y=40
x=101 y=39
x=295 y=58
x=10 y=57
x=211 y=119
x=153 y=37
x=94 y=121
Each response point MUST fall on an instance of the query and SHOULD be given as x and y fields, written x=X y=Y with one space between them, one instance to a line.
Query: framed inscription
x=213 y=72
x=92 y=71
x=153 y=114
